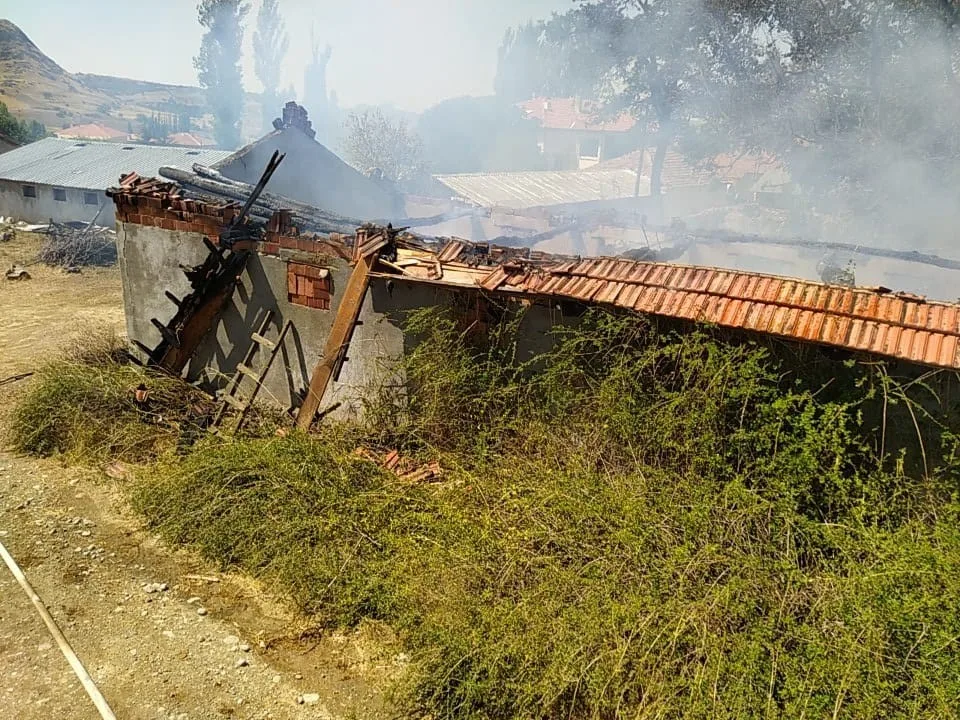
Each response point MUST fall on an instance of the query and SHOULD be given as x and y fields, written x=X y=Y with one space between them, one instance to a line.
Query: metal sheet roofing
x=520 y=190
x=94 y=165
x=875 y=321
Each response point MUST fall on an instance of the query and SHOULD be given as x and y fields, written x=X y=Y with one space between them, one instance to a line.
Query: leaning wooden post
x=348 y=312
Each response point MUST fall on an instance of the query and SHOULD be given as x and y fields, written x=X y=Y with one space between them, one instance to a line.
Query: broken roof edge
x=869 y=320
x=874 y=321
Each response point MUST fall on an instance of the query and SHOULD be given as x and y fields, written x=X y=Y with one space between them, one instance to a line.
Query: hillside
x=35 y=87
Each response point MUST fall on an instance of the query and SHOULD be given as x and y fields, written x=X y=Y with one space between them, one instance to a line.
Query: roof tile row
x=874 y=321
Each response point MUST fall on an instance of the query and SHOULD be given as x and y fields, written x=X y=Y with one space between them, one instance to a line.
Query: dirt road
x=163 y=634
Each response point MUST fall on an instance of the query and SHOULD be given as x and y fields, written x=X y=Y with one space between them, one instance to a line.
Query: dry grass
x=93 y=405
x=38 y=314
x=635 y=524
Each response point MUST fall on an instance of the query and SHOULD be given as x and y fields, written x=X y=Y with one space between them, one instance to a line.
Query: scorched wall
x=150 y=259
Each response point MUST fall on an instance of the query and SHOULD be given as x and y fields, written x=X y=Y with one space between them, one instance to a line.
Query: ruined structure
x=330 y=308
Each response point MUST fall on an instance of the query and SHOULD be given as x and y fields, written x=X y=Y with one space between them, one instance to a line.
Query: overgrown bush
x=295 y=510
x=92 y=404
x=634 y=523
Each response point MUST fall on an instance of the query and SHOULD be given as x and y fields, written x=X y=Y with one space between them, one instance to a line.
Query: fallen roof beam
x=338 y=340
x=306 y=216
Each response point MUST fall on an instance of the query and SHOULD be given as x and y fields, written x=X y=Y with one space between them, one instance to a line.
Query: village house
x=572 y=137
x=65 y=180
x=92 y=131
x=317 y=320
x=609 y=204
x=311 y=173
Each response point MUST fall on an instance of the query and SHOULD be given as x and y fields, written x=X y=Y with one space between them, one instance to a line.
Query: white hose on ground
x=105 y=712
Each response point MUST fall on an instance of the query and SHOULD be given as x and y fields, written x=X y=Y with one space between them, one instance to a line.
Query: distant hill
x=34 y=87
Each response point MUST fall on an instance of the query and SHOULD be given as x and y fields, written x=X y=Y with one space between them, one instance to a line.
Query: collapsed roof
x=869 y=320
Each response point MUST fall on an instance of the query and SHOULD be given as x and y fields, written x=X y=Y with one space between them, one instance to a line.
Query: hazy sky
x=410 y=53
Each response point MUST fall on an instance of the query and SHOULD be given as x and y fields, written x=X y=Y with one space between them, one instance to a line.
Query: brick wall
x=209 y=220
x=155 y=203
x=309 y=285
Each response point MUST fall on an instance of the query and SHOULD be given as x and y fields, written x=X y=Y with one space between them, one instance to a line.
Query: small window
x=90 y=199
x=29 y=191
x=590 y=147
x=193 y=152
x=127 y=147
x=59 y=194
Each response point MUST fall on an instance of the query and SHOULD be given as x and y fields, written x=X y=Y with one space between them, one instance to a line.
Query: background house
x=92 y=131
x=571 y=135
x=64 y=180
x=310 y=172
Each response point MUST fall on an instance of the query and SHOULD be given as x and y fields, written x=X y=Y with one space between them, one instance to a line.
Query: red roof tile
x=899 y=326
x=571 y=114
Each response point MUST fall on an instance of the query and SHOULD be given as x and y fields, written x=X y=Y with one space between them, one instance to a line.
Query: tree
x=657 y=53
x=478 y=134
x=218 y=66
x=153 y=129
x=375 y=142
x=560 y=57
x=22 y=131
x=861 y=98
x=270 y=44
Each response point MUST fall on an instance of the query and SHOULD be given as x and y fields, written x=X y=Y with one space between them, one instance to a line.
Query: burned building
x=327 y=309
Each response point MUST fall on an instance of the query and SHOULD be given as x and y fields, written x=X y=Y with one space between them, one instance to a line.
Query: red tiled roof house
x=573 y=135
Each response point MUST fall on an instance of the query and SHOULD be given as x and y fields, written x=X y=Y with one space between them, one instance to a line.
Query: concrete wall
x=149 y=259
x=312 y=174
x=43 y=207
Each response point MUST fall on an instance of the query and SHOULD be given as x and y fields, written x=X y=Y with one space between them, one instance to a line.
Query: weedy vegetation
x=85 y=405
x=633 y=523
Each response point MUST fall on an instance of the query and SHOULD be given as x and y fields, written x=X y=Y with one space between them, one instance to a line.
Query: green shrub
x=635 y=523
x=299 y=512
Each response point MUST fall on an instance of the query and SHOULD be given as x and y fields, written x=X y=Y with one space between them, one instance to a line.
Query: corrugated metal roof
x=876 y=321
x=519 y=190
x=94 y=165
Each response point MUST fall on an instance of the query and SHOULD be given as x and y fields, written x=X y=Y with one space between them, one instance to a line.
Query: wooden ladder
x=231 y=394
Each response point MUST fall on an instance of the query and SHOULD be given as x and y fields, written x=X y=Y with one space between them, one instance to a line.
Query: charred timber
x=266 y=205
x=211 y=174
x=309 y=216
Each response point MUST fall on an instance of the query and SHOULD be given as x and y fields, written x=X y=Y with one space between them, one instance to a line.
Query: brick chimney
x=295 y=116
